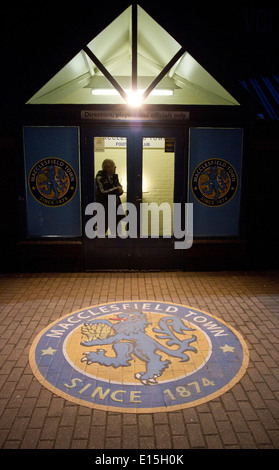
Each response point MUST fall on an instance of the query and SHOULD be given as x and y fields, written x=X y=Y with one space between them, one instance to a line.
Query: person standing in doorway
x=107 y=184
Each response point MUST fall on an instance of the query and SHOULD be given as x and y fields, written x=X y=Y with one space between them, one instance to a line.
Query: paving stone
x=130 y=437
x=190 y=415
x=7 y=418
x=128 y=418
x=218 y=411
x=99 y=418
x=195 y=435
x=237 y=421
x=258 y=432
x=113 y=443
x=82 y=427
x=64 y=438
x=177 y=425
x=146 y=427
x=247 y=410
x=30 y=439
x=27 y=407
x=18 y=429
x=79 y=444
x=56 y=406
x=49 y=428
x=162 y=435
x=38 y=418
x=227 y=433
x=274 y=436
x=68 y=415
x=160 y=418
x=208 y=424
x=214 y=442
x=147 y=442
x=97 y=437
x=229 y=402
x=113 y=425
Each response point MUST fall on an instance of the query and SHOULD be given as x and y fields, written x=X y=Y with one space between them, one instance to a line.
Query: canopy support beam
x=164 y=72
x=134 y=48
x=106 y=73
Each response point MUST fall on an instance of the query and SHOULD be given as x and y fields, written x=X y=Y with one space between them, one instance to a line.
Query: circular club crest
x=139 y=356
x=214 y=182
x=52 y=182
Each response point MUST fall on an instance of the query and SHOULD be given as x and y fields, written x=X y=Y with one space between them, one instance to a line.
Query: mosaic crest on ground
x=139 y=356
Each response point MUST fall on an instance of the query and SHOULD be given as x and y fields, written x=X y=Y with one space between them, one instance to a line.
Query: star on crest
x=48 y=352
x=227 y=348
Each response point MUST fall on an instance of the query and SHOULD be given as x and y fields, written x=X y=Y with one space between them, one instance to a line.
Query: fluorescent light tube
x=113 y=92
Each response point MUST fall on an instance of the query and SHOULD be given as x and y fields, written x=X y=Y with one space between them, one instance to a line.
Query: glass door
x=162 y=172
x=158 y=163
x=110 y=164
x=146 y=177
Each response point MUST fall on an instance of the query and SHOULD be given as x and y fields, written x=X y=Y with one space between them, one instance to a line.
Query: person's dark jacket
x=106 y=186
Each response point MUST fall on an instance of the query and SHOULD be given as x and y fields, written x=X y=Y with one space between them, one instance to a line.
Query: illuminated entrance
x=136 y=96
x=149 y=164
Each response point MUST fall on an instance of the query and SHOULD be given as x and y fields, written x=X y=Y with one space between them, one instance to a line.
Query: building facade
x=178 y=138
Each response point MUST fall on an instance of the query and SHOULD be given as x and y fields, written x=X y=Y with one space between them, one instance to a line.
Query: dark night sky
x=238 y=39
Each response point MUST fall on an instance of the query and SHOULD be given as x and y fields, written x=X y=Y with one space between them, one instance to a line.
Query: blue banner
x=52 y=176
x=214 y=181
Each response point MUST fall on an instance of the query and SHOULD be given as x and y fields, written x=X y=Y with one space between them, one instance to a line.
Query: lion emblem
x=126 y=333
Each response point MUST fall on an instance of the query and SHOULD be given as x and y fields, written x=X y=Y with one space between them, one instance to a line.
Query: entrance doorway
x=151 y=168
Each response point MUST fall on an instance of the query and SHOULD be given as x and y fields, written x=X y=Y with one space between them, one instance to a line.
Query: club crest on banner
x=52 y=182
x=214 y=182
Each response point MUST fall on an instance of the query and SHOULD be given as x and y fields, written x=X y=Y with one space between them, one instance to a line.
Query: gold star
x=48 y=352
x=227 y=348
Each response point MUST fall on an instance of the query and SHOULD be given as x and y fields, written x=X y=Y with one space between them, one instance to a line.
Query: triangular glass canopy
x=133 y=54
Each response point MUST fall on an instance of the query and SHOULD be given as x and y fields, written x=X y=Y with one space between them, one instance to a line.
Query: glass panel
x=114 y=149
x=158 y=157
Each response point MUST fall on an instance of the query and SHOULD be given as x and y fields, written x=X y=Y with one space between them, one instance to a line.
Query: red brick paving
x=246 y=417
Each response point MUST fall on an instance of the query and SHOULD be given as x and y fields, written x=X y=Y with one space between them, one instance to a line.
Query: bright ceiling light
x=134 y=97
